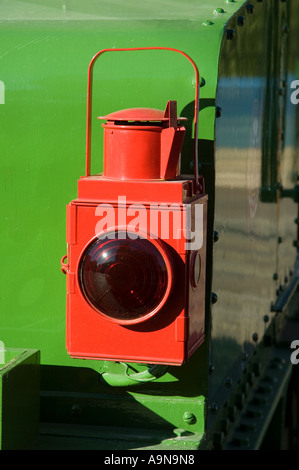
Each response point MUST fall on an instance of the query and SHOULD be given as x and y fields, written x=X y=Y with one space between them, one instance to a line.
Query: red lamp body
x=135 y=279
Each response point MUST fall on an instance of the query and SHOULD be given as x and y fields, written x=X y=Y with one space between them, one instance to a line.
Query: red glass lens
x=125 y=279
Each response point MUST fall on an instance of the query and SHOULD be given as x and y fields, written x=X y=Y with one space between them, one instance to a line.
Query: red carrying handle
x=89 y=101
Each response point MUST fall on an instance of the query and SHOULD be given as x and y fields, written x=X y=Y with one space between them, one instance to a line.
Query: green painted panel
x=44 y=55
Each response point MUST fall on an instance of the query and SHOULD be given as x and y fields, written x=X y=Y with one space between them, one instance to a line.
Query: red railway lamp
x=136 y=238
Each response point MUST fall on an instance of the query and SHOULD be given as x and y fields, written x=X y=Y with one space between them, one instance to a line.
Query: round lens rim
x=163 y=251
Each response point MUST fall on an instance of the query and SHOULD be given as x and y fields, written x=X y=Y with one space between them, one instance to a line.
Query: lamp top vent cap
x=139 y=114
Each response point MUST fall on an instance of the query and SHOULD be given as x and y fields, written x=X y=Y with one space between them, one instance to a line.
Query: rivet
x=214 y=408
x=249 y=8
x=275 y=276
x=241 y=20
x=219 y=10
x=228 y=382
x=202 y=82
x=244 y=356
x=266 y=318
x=214 y=298
x=208 y=23
x=218 y=111
x=76 y=410
x=255 y=337
x=230 y=34
x=215 y=236
x=189 y=417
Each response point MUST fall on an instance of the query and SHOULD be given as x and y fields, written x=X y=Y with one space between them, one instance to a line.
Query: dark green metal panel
x=244 y=256
x=254 y=269
x=19 y=398
x=247 y=259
